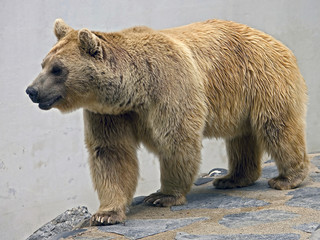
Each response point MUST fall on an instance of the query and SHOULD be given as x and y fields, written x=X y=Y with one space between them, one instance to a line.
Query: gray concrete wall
x=43 y=161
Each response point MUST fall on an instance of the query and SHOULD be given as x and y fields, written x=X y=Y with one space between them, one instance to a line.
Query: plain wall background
x=43 y=161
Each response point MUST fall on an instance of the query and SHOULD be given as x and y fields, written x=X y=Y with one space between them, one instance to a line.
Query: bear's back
x=246 y=72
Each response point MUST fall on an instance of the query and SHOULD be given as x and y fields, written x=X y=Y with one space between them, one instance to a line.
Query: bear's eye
x=56 y=70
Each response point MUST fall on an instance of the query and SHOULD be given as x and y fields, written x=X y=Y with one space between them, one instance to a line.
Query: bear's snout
x=33 y=94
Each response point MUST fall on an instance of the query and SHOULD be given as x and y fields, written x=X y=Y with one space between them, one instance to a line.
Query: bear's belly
x=226 y=126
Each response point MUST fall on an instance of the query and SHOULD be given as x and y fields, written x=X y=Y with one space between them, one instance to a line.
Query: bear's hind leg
x=244 y=154
x=287 y=147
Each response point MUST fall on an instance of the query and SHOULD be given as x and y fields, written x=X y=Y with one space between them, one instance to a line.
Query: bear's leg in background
x=244 y=155
x=288 y=149
x=178 y=170
x=113 y=164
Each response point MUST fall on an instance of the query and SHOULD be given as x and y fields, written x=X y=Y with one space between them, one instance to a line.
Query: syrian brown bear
x=168 y=89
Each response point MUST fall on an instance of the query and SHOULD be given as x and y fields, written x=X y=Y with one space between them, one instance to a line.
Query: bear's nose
x=33 y=94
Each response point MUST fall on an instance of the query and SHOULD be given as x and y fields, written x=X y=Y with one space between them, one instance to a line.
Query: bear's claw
x=107 y=218
x=164 y=200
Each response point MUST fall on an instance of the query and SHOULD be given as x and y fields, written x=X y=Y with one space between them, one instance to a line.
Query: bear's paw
x=159 y=199
x=229 y=182
x=107 y=218
x=283 y=183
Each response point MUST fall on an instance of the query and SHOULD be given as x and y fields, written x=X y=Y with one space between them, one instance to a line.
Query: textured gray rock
x=203 y=180
x=316 y=234
x=255 y=218
x=308 y=227
x=138 y=200
x=213 y=173
x=288 y=236
x=269 y=172
x=203 y=200
x=305 y=197
x=64 y=222
x=316 y=161
x=261 y=184
x=269 y=161
x=140 y=228
x=315 y=177
x=67 y=234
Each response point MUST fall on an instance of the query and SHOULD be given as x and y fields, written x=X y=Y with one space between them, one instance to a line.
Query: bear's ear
x=61 y=29
x=90 y=43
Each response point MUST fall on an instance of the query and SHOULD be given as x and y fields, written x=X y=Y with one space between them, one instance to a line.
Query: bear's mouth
x=48 y=104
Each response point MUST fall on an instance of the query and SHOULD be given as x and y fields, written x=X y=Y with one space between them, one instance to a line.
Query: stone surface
x=203 y=180
x=218 y=172
x=213 y=173
x=269 y=161
x=261 y=184
x=67 y=234
x=288 y=236
x=316 y=161
x=138 y=200
x=308 y=227
x=253 y=212
x=316 y=234
x=269 y=172
x=206 y=200
x=64 y=222
x=139 y=228
x=255 y=218
x=305 y=197
x=315 y=177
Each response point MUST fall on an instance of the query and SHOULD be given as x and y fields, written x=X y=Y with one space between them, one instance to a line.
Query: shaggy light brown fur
x=170 y=88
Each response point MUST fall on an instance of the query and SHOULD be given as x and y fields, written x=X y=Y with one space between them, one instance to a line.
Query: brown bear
x=169 y=89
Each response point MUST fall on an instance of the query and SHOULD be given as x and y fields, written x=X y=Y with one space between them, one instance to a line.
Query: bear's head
x=78 y=72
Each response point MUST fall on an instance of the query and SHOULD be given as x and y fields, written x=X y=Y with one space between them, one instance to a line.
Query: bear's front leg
x=113 y=164
x=114 y=171
x=179 y=164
